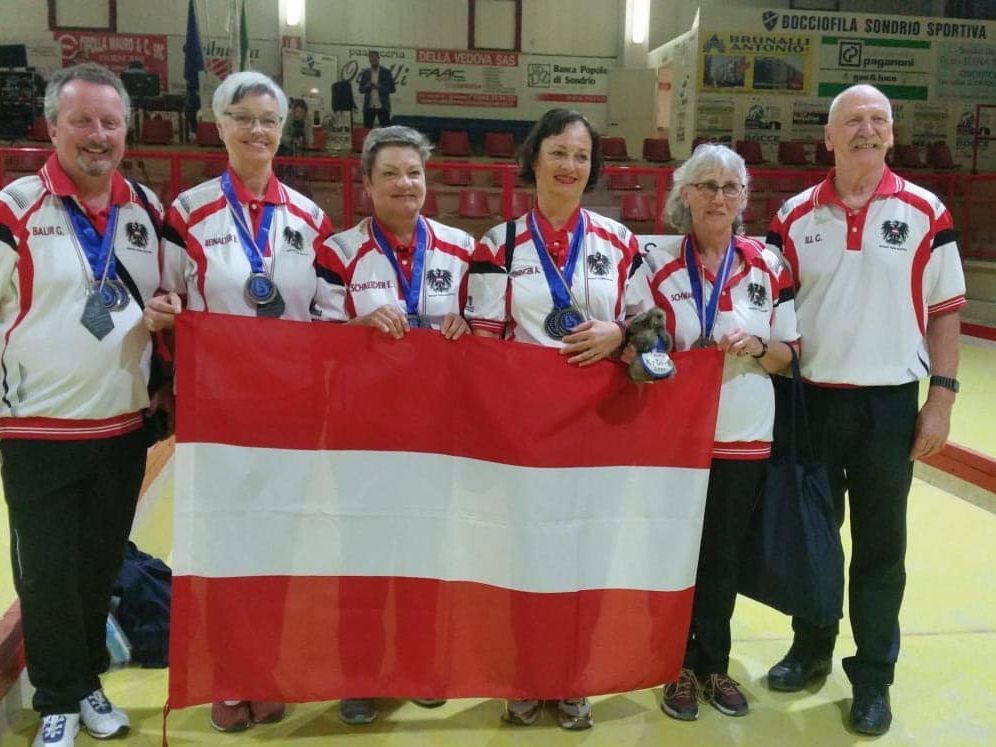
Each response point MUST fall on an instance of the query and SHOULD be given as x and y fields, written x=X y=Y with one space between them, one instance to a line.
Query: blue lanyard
x=250 y=246
x=97 y=250
x=707 y=315
x=559 y=284
x=412 y=290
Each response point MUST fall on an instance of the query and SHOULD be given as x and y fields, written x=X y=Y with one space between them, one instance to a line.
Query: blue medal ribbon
x=253 y=247
x=412 y=290
x=707 y=313
x=558 y=284
x=98 y=250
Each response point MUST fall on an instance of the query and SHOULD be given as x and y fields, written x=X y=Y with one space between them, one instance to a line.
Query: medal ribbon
x=558 y=284
x=251 y=246
x=97 y=250
x=707 y=314
x=412 y=290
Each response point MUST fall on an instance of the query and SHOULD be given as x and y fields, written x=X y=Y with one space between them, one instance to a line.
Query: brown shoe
x=724 y=693
x=266 y=712
x=229 y=718
x=681 y=698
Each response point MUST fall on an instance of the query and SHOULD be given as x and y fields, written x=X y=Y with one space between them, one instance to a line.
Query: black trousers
x=382 y=115
x=864 y=436
x=70 y=506
x=730 y=498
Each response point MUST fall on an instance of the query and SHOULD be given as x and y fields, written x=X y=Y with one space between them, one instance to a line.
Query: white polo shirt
x=867 y=280
x=370 y=281
x=203 y=259
x=59 y=381
x=757 y=299
x=518 y=301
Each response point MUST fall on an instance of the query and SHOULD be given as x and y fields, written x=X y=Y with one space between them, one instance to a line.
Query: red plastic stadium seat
x=156 y=131
x=636 y=207
x=786 y=183
x=939 y=157
x=750 y=151
x=207 y=135
x=319 y=138
x=522 y=203
x=824 y=156
x=474 y=204
x=457 y=177
x=623 y=180
x=614 y=149
x=656 y=149
x=430 y=208
x=792 y=153
x=454 y=143
x=499 y=144
x=39 y=130
x=906 y=157
x=358 y=135
x=362 y=204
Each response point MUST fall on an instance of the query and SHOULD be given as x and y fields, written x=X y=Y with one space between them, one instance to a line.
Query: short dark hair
x=552 y=123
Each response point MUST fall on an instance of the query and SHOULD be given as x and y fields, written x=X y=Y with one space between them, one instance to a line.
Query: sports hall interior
x=655 y=77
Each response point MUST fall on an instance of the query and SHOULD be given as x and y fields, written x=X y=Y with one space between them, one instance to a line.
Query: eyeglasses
x=709 y=189
x=245 y=121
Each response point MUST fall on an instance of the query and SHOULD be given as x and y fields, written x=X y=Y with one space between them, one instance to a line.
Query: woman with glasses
x=244 y=244
x=555 y=277
x=721 y=289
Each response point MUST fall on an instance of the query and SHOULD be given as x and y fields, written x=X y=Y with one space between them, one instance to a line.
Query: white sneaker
x=101 y=718
x=57 y=730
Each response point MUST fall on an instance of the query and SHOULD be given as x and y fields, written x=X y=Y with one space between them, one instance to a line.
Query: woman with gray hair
x=401 y=270
x=245 y=244
x=721 y=290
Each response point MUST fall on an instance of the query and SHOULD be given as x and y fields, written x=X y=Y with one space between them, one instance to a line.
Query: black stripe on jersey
x=482 y=268
x=775 y=239
x=330 y=277
x=786 y=294
x=173 y=236
x=7 y=237
x=947 y=236
x=637 y=262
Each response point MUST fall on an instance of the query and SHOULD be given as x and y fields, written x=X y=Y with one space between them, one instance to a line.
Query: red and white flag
x=357 y=516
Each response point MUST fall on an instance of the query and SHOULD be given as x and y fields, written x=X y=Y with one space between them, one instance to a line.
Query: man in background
x=376 y=84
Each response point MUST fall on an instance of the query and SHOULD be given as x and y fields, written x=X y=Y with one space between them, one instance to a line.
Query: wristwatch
x=945 y=381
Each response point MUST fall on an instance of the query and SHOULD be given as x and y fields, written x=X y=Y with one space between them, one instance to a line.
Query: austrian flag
x=357 y=516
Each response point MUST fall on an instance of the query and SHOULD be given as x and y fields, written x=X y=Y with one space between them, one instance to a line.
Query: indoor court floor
x=945 y=687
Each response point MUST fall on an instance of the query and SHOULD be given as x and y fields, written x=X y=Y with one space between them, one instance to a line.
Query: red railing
x=971 y=197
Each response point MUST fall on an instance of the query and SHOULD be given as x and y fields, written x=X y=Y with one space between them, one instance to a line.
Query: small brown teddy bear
x=647 y=336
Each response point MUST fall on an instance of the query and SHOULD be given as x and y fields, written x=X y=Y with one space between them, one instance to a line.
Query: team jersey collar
x=826 y=193
x=557 y=240
x=401 y=251
x=59 y=183
x=272 y=194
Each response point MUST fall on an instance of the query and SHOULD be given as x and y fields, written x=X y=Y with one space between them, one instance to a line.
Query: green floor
x=944 y=692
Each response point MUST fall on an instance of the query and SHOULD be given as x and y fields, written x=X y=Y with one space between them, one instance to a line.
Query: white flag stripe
x=329 y=513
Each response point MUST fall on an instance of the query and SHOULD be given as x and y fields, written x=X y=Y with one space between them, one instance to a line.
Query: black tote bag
x=793 y=559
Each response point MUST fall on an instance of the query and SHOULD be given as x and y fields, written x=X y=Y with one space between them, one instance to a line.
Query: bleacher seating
x=750 y=151
x=156 y=131
x=656 y=149
x=458 y=177
x=623 y=180
x=636 y=207
x=358 y=135
x=824 y=156
x=939 y=157
x=614 y=149
x=499 y=144
x=39 y=130
x=430 y=208
x=362 y=204
x=906 y=156
x=792 y=153
x=474 y=203
x=522 y=202
x=207 y=135
x=454 y=143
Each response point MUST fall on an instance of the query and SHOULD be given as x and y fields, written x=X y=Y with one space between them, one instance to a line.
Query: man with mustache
x=878 y=288
x=78 y=260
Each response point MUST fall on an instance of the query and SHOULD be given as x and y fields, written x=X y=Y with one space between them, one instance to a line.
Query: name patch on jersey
x=371 y=285
x=218 y=241
x=682 y=296
x=525 y=271
x=47 y=231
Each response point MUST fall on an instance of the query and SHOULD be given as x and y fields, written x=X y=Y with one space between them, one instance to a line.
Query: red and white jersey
x=514 y=297
x=757 y=299
x=203 y=258
x=369 y=280
x=59 y=381
x=866 y=280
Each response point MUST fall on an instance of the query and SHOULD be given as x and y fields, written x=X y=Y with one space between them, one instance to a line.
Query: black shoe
x=870 y=710
x=793 y=672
